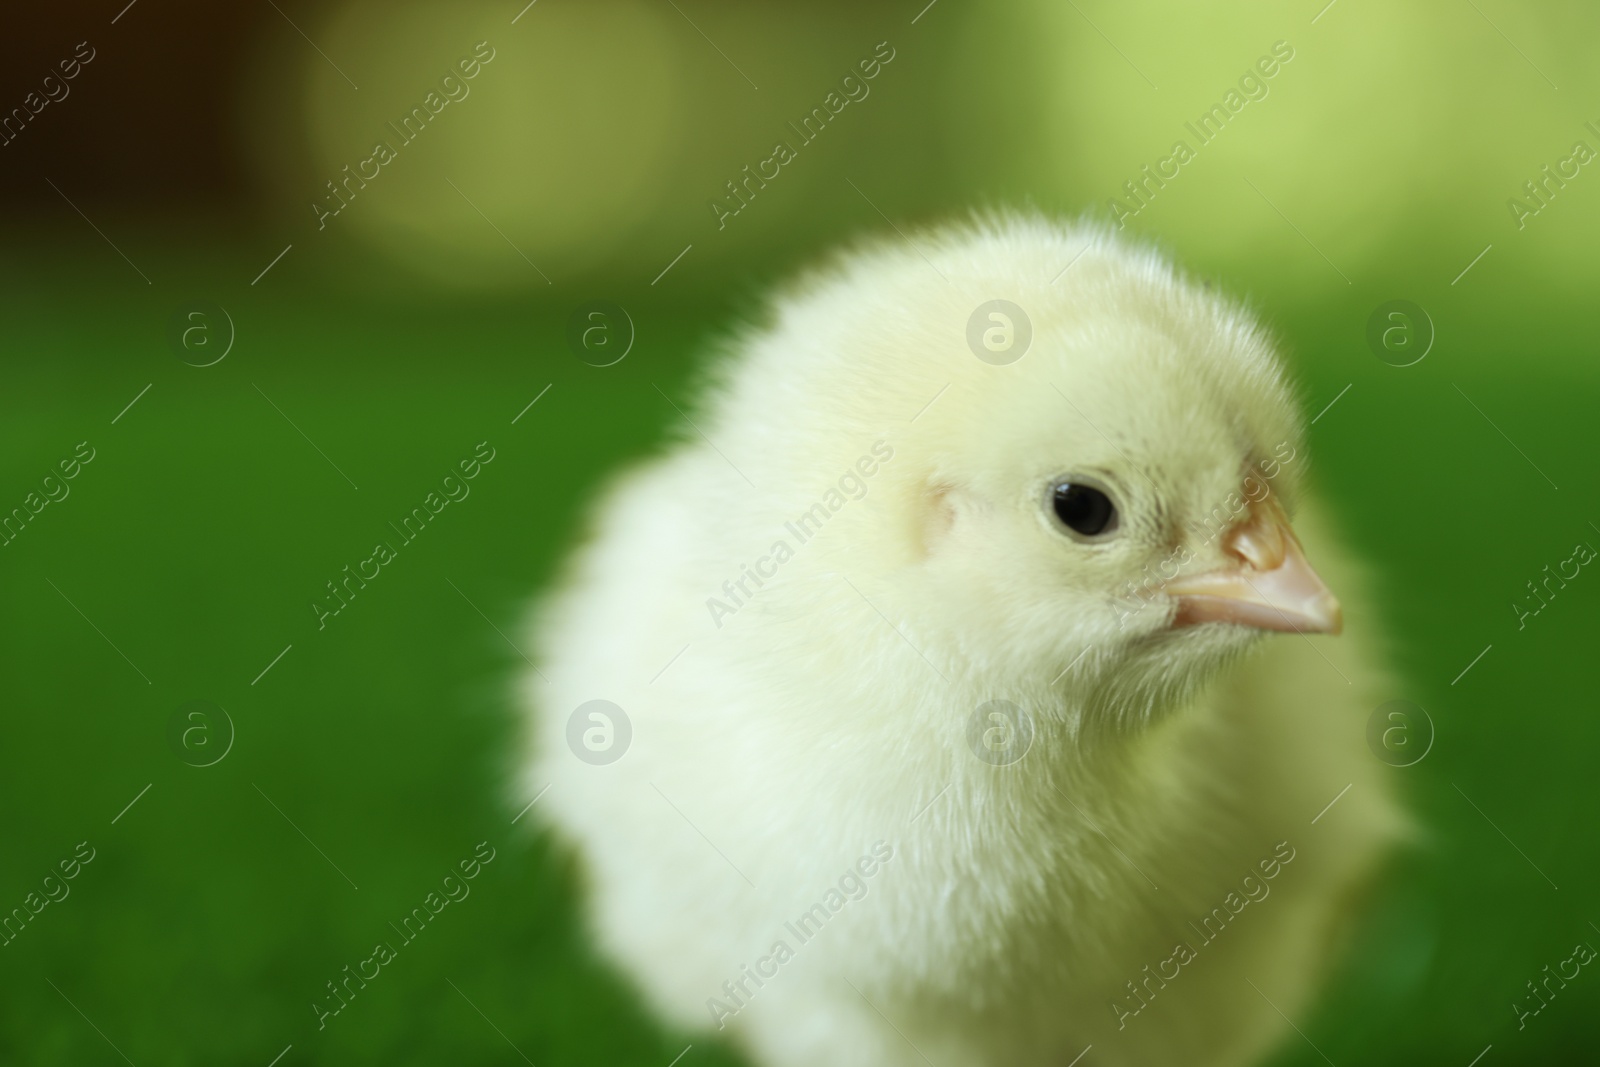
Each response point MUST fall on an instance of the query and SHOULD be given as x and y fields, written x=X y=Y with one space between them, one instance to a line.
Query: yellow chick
x=951 y=693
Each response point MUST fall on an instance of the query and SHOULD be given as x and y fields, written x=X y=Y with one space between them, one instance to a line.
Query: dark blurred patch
x=145 y=123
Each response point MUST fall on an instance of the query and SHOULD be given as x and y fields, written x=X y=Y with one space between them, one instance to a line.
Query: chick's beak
x=1266 y=583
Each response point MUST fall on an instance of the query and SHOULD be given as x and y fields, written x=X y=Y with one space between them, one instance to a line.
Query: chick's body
x=820 y=838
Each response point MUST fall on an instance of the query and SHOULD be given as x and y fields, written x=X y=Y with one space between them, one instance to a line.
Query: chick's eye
x=1084 y=509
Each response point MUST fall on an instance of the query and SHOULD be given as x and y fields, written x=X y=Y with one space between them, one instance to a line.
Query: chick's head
x=1112 y=503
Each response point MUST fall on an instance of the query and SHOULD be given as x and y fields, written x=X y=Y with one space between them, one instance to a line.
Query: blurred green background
x=378 y=350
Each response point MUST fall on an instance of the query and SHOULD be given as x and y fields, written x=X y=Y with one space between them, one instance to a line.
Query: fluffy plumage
x=830 y=705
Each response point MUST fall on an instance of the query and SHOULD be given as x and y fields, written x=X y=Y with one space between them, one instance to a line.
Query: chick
x=943 y=722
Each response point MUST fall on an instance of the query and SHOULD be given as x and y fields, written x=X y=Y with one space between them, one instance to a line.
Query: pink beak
x=1267 y=582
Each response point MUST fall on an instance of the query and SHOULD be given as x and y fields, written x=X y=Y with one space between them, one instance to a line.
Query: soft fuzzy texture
x=829 y=709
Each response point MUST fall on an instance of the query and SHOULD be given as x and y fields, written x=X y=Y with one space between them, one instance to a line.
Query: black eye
x=1084 y=509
